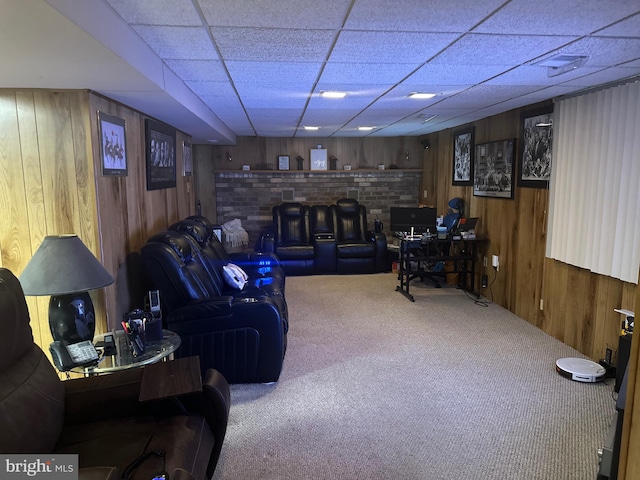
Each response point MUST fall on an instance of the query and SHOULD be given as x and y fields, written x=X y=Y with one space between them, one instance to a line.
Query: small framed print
x=113 y=148
x=536 y=135
x=283 y=162
x=463 y=157
x=187 y=160
x=161 y=155
x=318 y=159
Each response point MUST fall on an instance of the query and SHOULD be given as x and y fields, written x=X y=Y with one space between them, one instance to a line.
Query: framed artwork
x=463 y=157
x=318 y=159
x=534 y=166
x=494 y=169
x=187 y=160
x=283 y=162
x=161 y=155
x=113 y=145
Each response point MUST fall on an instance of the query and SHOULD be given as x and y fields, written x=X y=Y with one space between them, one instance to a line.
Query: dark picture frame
x=463 y=153
x=161 y=155
x=283 y=162
x=113 y=145
x=536 y=134
x=494 y=169
x=187 y=160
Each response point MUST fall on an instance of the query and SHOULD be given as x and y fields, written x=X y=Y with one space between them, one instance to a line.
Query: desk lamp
x=65 y=268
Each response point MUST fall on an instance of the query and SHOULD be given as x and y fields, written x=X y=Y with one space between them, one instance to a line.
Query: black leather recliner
x=358 y=250
x=243 y=336
x=100 y=418
x=292 y=242
x=265 y=281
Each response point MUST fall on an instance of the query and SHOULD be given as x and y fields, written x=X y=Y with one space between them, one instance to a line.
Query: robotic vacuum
x=580 y=370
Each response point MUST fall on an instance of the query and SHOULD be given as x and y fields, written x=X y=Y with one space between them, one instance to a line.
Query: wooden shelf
x=367 y=170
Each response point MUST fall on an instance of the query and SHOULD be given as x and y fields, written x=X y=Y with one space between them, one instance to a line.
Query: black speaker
x=425 y=143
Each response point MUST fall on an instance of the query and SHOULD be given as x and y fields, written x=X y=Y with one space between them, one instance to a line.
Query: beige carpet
x=377 y=387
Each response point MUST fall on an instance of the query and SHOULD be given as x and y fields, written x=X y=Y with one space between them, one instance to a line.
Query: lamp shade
x=61 y=265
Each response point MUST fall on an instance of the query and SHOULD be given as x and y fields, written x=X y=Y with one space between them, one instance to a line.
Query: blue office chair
x=451 y=218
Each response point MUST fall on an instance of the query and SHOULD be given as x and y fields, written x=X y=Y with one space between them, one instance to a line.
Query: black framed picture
x=187 y=159
x=536 y=132
x=494 y=169
x=463 y=156
x=161 y=155
x=113 y=145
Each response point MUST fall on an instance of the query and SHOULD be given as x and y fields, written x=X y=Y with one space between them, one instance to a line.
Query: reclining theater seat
x=100 y=418
x=243 y=336
x=292 y=242
x=358 y=250
x=256 y=264
x=258 y=284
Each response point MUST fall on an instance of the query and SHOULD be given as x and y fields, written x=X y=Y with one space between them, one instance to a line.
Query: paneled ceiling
x=221 y=68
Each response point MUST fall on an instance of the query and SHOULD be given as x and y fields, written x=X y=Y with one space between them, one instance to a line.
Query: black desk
x=422 y=252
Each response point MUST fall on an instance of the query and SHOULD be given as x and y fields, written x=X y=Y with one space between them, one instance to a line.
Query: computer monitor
x=421 y=219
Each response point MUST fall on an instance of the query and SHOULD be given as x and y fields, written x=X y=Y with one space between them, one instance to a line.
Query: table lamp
x=65 y=268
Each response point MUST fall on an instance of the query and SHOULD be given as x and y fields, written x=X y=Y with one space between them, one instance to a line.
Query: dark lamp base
x=72 y=318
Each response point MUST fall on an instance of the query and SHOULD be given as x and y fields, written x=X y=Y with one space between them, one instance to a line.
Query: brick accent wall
x=250 y=195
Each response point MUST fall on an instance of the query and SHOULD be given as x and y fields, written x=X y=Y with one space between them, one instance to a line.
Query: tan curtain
x=594 y=214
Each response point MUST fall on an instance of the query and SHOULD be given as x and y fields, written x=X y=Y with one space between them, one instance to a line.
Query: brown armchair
x=100 y=418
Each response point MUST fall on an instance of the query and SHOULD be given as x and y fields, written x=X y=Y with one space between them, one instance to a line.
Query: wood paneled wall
x=51 y=183
x=569 y=303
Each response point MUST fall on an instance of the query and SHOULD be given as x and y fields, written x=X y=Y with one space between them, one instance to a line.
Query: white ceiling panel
x=157 y=12
x=178 y=42
x=221 y=68
x=199 y=70
x=274 y=73
x=294 y=14
x=389 y=47
x=505 y=50
x=553 y=17
x=418 y=15
x=272 y=44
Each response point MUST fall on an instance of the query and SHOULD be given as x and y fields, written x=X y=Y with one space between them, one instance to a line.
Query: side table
x=124 y=359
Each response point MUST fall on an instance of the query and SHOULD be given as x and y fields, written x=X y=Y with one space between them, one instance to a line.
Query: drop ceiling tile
x=483 y=49
x=273 y=44
x=274 y=73
x=157 y=12
x=178 y=42
x=418 y=15
x=629 y=27
x=603 y=76
x=301 y=14
x=198 y=70
x=537 y=75
x=485 y=95
x=389 y=47
x=551 y=17
x=454 y=74
x=365 y=73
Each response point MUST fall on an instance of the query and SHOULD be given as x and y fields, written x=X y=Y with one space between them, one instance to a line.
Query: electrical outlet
x=484 y=260
x=425 y=194
x=541 y=304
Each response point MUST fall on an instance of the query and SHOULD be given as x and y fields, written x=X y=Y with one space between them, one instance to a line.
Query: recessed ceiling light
x=365 y=129
x=310 y=127
x=421 y=95
x=332 y=94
